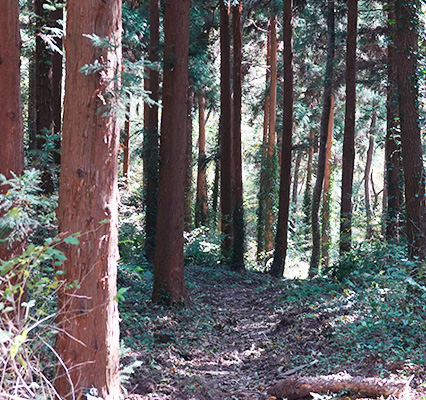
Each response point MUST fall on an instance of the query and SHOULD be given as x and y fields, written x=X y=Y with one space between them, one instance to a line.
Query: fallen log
x=299 y=387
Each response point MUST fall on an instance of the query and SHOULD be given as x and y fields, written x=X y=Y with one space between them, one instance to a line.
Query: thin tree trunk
x=201 y=209
x=270 y=166
x=393 y=173
x=307 y=196
x=328 y=89
x=412 y=155
x=370 y=153
x=238 y=211
x=151 y=148
x=263 y=162
x=188 y=173
x=296 y=177
x=349 y=134
x=126 y=144
x=278 y=264
x=88 y=203
x=215 y=191
x=225 y=131
x=326 y=197
x=169 y=283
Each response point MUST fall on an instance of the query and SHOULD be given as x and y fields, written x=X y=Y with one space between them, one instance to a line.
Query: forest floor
x=242 y=332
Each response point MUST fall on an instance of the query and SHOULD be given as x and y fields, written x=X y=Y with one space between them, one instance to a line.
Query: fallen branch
x=298 y=387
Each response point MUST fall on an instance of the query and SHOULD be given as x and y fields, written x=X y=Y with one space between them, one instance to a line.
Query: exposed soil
x=239 y=335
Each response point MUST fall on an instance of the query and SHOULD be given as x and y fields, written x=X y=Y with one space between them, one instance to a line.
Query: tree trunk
x=328 y=89
x=393 y=173
x=88 y=204
x=307 y=196
x=225 y=129
x=151 y=148
x=263 y=162
x=169 y=283
x=11 y=129
x=296 y=177
x=201 y=209
x=126 y=144
x=326 y=197
x=238 y=211
x=349 y=133
x=270 y=157
x=278 y=264
x=412 y=157
x=188 y=170
x=370 y=153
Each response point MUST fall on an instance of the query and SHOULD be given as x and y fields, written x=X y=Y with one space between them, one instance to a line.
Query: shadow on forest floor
x=241 y=333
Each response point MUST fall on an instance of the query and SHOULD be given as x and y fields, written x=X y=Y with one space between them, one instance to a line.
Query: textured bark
x=263 y=170
x=278 y=264
x=370 y=153
x=238 y=210
x=225 y=131
x=151 y=148
x=88 y=203
x=328 y=89
x=169 y=283
x=326 y=197
x=393 y=173
x=349 y=132
x=126 y=144
x=188 y=170
x=201 y=208
x=412 y=157
x=270 y=157
x=300 y=387
x=11 y=130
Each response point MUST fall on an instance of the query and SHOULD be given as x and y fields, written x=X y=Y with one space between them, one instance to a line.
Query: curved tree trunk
x=151 y=148
x=349 y=134
x=238 y=211
x=412 y=155
x=88 y=203
x=278 y=264
x=169 y=283
x=328 y=89
x=225 y=131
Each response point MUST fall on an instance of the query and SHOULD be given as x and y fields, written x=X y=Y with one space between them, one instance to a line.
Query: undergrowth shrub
x=202 y=247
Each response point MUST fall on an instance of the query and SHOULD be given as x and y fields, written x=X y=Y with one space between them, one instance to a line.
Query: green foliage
x=202 y=247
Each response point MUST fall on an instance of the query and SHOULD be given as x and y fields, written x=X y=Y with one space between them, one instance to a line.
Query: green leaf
x=120 y=292
x=71 y=240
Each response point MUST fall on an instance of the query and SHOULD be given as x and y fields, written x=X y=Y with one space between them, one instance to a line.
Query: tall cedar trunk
x=32 y=110
x=270 y=166
x=328 y=90
x=126 y=144
x=263 y=163
x=201 y=208
x=225 y=131
x=11 y=130
x=44 y=96
x=349 y=133
x=412 y=157
x=392 y=145
x=307 y=197
x=238 y=210
x=296 y=177
x=57 y=68
x=326 y=197
x=151 y=149
x=370 y=153
x=278 y=264
x=88 y=203
x=188 y=173
x=169 y=283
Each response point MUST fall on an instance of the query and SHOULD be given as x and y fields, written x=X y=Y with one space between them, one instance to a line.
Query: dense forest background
x=240 y=183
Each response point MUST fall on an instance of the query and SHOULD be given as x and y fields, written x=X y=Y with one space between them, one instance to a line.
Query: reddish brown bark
x=270 y=157
x=369 y=162
x=201 y=208
x=88 y=203
x=11 y=130
x=349 y=133
x=188 y=173
x=126 y=144
x=326 y=197
x=412 y=156
x=169 y=283
x=328 y=89
x=225 y=131
x=238 y=210
x=278 y=264
x=151 y=147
